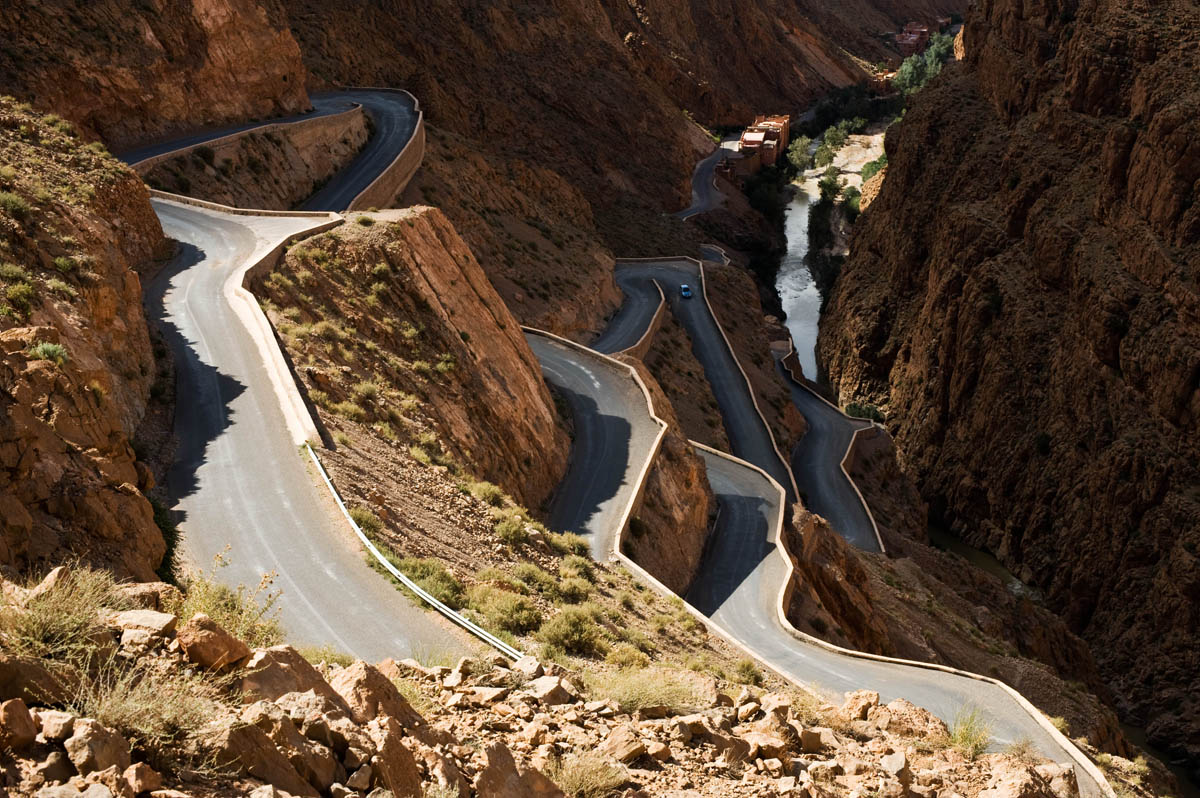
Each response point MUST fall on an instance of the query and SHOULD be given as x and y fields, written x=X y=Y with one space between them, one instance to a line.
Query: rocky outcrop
x=1018 y=297
x=419 y=331
x=275 y=169
x=75 y=360
x=669 y=527
x=134 y=74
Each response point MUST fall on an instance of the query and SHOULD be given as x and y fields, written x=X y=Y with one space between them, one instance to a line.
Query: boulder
x=859 y=703
x=94 y=747
x=369 y=694
x=160 y=624
x=279 y=670
x=1061 y=777
x=27 y=679
x=903 y=718
x=360 y=779
x=17 y=728
x=776 y=704
x=151 y=595
x=528 y=667
x=500 y=778
x=660 y=752
x=393 y=762
x=55 y=768
x=768 y=746
x=247 y=750
x=747 y=711
x=896 y=765
x=623 y=744
x=141 y=778
x=207 y=644
x=550 y=690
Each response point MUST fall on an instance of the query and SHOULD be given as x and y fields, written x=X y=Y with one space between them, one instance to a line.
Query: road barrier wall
x=396 y=177
x=336 y=121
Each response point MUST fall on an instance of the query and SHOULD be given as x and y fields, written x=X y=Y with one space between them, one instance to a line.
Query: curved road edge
x=1089 y=769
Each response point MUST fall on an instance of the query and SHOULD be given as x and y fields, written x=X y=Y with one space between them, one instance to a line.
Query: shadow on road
x=737 y=545
x=203 y=394
x=596 y=470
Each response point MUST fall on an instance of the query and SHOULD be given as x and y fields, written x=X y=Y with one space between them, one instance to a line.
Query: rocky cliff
x=75 y=358
x=133 y=73
x=394 y=320
x=1021 y=297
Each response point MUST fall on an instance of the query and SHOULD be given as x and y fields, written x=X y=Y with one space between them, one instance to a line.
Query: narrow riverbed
x=794 y=283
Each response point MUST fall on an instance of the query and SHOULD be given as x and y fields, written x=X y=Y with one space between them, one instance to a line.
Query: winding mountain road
x=743 y=573
x=705 y=195
x=238 y=479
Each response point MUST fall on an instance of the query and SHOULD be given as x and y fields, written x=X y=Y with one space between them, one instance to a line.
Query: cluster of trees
x=872 y=168
x=919 y=69
x=832 y=140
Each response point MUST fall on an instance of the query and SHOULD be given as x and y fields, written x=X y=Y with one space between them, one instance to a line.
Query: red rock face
x=133 y=73
x=1023 y=298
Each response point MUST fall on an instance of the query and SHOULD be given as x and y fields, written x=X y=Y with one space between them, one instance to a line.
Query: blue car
x=685 y=291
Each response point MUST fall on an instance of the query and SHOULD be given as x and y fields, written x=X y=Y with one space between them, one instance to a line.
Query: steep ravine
x=1034 y=330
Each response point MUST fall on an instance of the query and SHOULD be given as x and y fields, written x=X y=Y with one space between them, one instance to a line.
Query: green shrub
x=433 y=577
x=568 y=543
x=62 y=289
x=504 y=610
x=874 y=167
x=638 y=689
x=65 y=265
x=511 y=530
x=586 y=775
x=20 y=296
x=970 y=734
x=574 y=591
x=366 y=391
x=168 y=569
x=16 y=206
x=364 y=221
x=575 y=566
x=625 y=655
x=746 y=671
x=349 y=411
x=574 y=631
x=367 y=521
x=326 y=653
x=487 y=493
x=205 y=154
x=48 y=351
x=864 y=410
x=12 y=273
x=535 y=579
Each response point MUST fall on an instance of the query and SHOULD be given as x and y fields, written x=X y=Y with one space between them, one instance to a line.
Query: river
x=794 y=282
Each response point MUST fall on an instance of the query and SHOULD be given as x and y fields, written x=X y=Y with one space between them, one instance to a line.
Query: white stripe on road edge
x=478 y=631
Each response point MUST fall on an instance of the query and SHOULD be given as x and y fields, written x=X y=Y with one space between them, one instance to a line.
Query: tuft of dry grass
x=326 y=653
x=970 y=733
x=637 y=688
x=587 y=775
x=249 y=614
x=63 y=623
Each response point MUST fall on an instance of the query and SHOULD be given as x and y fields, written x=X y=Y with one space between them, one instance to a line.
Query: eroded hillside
x=77 y=365
x=1021 y=297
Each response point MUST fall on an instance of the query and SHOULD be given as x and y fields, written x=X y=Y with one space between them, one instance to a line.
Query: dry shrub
x=635 y=688
x=587 y=775
x=62 y=624
x=249 y=614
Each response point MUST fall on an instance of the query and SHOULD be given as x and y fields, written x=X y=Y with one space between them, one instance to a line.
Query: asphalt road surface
x=705 y=195
x=239 y=480
x=610 y=446
x=394 y=117
x=816 y=463
x=740 y=580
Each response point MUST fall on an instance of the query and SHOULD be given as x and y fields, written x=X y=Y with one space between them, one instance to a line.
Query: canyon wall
x=76 y=365
x=1021 y=298
x=134 y=73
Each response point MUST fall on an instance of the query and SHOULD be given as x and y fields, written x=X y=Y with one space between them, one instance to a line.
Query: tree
x=798 y=153
x=831 y=184
x=872 y=168
x=824 y=155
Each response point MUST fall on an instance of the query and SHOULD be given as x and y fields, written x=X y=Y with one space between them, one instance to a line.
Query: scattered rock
x=279 y=670
x=550 y=690
x=528 y=667
x=500 y=778
x=160 y=624
x=369 y=694
x=207 y=644
x=859 y=703
x=157 y=596
x=17 y=729
x=94 y=747
x=55 y=768
x=623 y=744
x=141 y=778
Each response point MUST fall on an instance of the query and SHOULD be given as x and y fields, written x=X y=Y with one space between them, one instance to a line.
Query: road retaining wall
x=315 y=127
x=395 y=178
